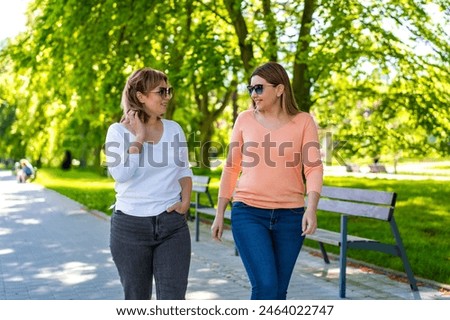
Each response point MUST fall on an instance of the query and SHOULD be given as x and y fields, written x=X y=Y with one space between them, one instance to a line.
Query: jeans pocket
x=299 y=210
x=169 y=223
x=240 y=204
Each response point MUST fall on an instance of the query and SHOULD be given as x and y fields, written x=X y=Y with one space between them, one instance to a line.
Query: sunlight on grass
x=89 y=188
x=425 y=204
x=73 y=179
x=418 y=201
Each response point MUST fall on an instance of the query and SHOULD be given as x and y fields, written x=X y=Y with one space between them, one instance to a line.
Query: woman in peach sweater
x=273 y=146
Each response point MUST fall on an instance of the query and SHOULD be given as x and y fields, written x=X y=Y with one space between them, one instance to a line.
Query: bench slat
x=200 y=183
x=359 y=195
x=212 y=212
x=201 y=179
x=377 y=168
x=355 y=209
x=334 y=238
x=199 y=188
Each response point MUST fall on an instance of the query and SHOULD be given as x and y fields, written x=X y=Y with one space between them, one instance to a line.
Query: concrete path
x=53 y=248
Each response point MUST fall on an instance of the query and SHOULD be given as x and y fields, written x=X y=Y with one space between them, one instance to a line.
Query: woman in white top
x=148 y=158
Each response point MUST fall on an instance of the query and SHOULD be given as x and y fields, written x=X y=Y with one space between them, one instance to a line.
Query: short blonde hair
x=143 y=80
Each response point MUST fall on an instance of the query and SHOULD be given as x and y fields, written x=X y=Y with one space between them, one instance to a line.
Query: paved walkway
x=52 y=248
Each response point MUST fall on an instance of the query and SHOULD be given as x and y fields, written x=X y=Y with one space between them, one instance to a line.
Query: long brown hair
x=143 y=80
x=275 y=74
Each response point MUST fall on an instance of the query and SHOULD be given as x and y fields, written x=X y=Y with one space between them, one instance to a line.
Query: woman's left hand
x=309 y=222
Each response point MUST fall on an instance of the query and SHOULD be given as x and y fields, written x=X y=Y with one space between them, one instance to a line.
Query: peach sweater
x=264 y=167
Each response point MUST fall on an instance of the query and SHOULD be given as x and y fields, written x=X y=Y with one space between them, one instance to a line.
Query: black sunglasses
x=164 y=92
x=259 y=88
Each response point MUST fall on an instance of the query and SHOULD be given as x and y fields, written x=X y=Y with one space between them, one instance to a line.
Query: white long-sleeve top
x=147 y=183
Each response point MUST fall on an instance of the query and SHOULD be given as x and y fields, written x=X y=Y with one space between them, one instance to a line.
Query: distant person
x=272 y=147
x=67 y=161
x=147 y=157
x=17 y=167
x=25 y=172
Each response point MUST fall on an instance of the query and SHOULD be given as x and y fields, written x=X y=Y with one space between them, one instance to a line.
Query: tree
x=353 y=64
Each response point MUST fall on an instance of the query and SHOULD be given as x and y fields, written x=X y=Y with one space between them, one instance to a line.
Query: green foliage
x=376 y=74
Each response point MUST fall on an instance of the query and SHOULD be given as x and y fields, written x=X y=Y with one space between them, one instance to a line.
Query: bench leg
x=324 y=253
x=342 y=271
x=402 y=254
x=197 y=219
x=197 y=226
x=343 y=257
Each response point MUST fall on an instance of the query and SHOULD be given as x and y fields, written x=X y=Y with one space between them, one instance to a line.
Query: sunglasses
x=259 y=88
x=164 y=92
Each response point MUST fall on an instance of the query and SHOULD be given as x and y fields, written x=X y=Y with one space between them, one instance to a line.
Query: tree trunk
x=301 y=81
x=206 y=144
x=245 y=46
x=271 y=25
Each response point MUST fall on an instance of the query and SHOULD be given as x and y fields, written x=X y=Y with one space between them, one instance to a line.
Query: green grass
x=422 y=214
x=85 y=186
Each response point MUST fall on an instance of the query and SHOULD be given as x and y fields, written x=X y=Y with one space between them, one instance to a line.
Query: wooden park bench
x=200 y=186
x=351 y=167
x=377 y=168
x=371 y=204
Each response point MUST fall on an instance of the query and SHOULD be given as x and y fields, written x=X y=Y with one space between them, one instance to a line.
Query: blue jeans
x=268 y=241
x=147 y=247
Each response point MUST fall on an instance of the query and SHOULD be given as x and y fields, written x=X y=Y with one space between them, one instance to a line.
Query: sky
x=12 y=17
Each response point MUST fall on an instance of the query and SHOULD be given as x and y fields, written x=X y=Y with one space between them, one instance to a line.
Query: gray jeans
x=147 y=247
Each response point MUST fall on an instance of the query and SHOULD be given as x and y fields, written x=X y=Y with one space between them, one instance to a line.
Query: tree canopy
x=375 y=74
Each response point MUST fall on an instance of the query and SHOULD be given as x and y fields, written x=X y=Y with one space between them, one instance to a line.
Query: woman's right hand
x=133 y=123
x=217 y=227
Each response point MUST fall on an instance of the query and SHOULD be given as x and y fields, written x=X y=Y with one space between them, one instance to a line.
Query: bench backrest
x=377 y=168
x=200 y=184
x=358 y=202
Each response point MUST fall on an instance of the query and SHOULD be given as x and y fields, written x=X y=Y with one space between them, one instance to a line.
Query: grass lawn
x=422 y=214
x=84 y=186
